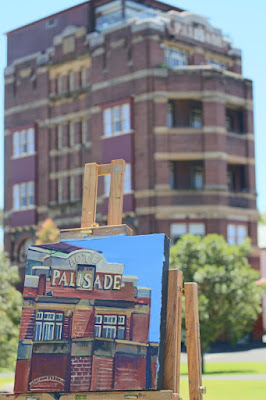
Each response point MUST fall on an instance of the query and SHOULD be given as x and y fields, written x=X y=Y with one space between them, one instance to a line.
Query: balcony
x=184 y=114
x=238 y=201
x=235 y=122
x=186 y=175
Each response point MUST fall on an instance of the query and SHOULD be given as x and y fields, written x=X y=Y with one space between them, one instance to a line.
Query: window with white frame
x=179 y=229
x=117 y=120
x=84 y=127
x=71 y=80
x=83 y=77
x=127 y=181
x=49 y=325
x=175 y=57
x=60 y=190
x=60 y=137
x=23 y=143
x=108 y=14
x=23 y=195
x=217 y=64
x=60 y=84
x=110 y=326
x=72 y=134
x=72 y=188
x=236 y=233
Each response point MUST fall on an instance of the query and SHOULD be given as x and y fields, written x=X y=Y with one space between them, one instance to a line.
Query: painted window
x=116 y=120
x=23 y=143
x=110 y=326
x=175 y=57
x=127 y=181
x=49 y=325
x=23 y=195
x=236 y=233
x=180 y=229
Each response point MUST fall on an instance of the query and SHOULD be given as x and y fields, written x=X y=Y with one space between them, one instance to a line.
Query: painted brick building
x=139 y=80
x=84 y=326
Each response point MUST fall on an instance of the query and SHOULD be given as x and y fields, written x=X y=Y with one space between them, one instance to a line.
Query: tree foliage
x=47 y=232
x=229 y=299
x=10 y=310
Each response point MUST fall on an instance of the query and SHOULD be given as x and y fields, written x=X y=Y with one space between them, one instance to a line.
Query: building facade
x=140 y=80
x=84 y=326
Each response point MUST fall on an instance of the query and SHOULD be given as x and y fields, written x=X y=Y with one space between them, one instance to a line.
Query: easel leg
x=173 y=331
x=193 y=341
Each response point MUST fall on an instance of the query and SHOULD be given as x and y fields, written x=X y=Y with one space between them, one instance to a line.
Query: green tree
x=229 y=299
x=10 y=310
x=47 y=232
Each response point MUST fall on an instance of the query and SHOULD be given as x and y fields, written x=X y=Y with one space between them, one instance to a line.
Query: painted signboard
x=93 y=315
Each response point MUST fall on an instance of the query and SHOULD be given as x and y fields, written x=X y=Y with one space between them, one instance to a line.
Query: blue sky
x=148 y=254
x=242 y=20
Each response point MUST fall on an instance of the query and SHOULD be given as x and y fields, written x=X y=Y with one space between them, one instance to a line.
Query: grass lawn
x=227 y=390
x=4 y=380
x=237 y=368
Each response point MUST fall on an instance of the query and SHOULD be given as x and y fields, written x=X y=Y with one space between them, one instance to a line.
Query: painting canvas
x=94 y=315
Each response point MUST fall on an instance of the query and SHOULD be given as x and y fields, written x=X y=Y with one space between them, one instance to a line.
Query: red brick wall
x=129 y=371
x=80 y=374
x=102 y=373
x=27 y=323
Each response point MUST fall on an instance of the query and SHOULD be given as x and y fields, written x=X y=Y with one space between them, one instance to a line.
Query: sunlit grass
x=227 y=390
x=237 y=368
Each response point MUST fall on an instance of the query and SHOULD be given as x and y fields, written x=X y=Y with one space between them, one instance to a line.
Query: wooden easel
x=114 y=227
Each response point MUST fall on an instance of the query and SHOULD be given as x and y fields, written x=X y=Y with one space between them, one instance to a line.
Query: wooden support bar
x=193 y=341
x=104 y=169
x=115 y=206
x=173 y=331
x=114 y=395
x=90 y=185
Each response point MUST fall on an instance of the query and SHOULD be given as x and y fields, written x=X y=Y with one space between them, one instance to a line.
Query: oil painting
x=94 y=315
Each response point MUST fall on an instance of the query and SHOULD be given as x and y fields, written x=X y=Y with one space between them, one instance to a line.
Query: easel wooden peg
x=89 y=226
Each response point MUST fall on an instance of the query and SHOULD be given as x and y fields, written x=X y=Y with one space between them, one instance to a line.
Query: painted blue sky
x=142 y=256
x=242 y=20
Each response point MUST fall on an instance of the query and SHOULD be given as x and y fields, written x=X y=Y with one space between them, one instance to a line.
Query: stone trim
x=64 y=174
x=208 y=155
x=26 y=106
x=68 y=150
x=72 y=65
x=63 y=119
x=140 y=194
x=199 y=211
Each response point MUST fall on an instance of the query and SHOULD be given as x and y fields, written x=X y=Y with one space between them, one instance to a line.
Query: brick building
x=139 y=80
x=84 y=326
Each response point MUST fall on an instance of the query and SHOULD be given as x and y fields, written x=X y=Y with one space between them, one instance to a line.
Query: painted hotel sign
x=88 y=320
